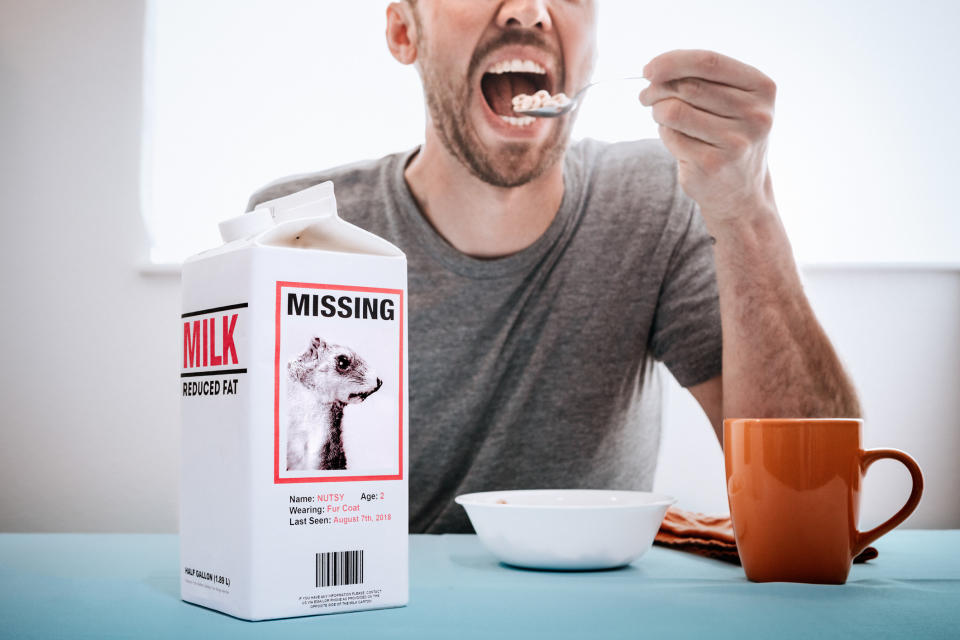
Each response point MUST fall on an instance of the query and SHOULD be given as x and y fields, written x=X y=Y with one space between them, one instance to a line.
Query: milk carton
x=294 y=398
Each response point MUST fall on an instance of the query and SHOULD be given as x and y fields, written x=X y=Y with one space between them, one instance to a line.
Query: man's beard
x=513 y=163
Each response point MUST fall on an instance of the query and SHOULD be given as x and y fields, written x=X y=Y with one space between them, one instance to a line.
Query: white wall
x=90 y=412
x=860 y=96
x=91 y=425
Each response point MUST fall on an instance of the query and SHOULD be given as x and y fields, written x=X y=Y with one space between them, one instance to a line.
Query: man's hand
x=715 y=115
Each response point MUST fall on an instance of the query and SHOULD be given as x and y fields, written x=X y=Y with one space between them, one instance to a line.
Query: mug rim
x=795 y=420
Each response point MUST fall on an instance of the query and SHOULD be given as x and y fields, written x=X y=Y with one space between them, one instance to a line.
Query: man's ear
x=402 y=33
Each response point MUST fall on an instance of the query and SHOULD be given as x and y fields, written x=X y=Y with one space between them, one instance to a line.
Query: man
x=545 y=277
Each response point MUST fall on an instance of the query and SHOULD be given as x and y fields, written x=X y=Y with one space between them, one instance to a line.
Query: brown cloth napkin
x=710 y=536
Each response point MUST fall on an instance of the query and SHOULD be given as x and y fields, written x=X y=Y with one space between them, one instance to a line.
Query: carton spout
x=308 y=220
x=245 y=225
x=318 y=201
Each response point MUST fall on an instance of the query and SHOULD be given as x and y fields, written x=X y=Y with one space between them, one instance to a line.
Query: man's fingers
x=695 y=123
x=719 y=99
x=694 y=156
x=683 y=147
x=708 y=65
x=680 y=144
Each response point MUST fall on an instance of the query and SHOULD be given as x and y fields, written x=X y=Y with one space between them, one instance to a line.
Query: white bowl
x=566 y=529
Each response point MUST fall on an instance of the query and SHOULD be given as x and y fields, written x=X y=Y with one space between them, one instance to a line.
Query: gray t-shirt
x=535 y=370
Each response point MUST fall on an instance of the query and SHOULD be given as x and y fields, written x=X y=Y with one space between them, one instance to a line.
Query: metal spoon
x=554 y=112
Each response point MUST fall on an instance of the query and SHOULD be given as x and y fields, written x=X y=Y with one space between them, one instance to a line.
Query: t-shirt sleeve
x=686 y=332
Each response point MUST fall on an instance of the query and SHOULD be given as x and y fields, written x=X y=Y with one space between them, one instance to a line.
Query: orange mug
x=794 y=491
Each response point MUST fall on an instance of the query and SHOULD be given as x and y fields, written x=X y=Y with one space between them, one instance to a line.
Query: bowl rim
x=469 y=499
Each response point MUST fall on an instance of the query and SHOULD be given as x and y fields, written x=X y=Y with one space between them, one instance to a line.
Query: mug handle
x=868 y=457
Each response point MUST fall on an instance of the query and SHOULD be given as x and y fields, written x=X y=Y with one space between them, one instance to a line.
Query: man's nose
x=529 y=14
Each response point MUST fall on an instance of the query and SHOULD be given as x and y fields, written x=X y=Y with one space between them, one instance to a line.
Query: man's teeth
x=517 y=66
x=518 y=122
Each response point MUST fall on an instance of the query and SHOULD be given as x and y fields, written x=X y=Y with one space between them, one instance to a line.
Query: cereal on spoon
x=539 y=100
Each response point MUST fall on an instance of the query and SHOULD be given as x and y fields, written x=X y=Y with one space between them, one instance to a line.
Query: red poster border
x=276 y=386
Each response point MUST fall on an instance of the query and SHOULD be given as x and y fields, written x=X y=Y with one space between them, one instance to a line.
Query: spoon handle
x=619 y=79
x=579 y=94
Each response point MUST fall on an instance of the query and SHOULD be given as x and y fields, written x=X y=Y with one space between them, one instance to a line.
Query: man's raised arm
x=715 y=115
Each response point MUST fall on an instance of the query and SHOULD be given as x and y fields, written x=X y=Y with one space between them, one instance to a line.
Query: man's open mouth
x=509 y=78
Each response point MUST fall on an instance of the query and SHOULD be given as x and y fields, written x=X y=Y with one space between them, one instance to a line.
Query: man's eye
x=343 y=363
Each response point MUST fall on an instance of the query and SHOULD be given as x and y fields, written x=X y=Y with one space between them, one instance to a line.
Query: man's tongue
x=499 y=89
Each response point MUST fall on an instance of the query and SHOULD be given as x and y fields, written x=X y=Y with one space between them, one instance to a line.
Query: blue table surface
x=127 y=586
